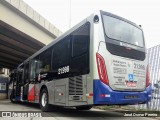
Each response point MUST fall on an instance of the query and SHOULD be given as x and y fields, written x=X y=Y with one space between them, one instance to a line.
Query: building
x=154 y=68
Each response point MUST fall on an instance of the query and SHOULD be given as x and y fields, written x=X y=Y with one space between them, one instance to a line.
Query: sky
x=66 y=13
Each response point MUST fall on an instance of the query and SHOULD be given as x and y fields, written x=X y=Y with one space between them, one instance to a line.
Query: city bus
x=100 y=61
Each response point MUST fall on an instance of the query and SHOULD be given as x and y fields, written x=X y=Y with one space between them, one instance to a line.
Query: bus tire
x=83 y=108
x=44 y=100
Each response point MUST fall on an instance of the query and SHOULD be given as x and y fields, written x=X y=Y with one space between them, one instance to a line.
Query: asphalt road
x=62 y=114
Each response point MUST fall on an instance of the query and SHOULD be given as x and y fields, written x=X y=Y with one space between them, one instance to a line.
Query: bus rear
x=121 y=72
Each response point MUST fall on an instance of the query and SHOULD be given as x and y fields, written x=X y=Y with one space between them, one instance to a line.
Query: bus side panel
x=50 y=87
x=61 y=92
x=77 y=90
x=97 y=36
x=68 y=91
x=37 y=93
x=58 y=92
x=31 y=93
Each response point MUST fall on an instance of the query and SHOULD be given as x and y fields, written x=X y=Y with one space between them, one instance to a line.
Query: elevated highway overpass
x=23 y=31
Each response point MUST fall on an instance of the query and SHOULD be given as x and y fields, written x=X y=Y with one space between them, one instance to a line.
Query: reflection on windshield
x=123 y=31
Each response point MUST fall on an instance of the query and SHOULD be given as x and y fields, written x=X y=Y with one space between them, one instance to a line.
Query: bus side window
x=26 y=73
x=61 y=57
x=45 y=61
x=80 y=50
x=80 y=41
x=20 y=74
x=34 y=68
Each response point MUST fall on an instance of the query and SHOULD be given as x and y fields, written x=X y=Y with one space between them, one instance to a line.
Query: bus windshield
x=122 y=31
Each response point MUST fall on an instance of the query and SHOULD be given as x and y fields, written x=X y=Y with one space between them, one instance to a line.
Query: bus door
x=12 y=83
x=26 y=81
x=33 y=84
x=19 y=83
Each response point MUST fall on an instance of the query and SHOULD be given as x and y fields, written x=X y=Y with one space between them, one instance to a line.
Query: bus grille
x=75 y=85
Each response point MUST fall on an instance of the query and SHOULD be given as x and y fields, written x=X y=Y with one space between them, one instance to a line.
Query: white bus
x=100 y=61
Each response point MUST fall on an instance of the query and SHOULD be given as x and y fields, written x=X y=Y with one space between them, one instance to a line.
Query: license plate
x=130 y=96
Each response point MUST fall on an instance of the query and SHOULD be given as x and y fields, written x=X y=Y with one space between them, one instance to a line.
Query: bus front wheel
x=44 y=100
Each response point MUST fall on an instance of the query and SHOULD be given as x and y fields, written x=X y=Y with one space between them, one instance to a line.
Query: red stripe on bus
x=31 y=94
